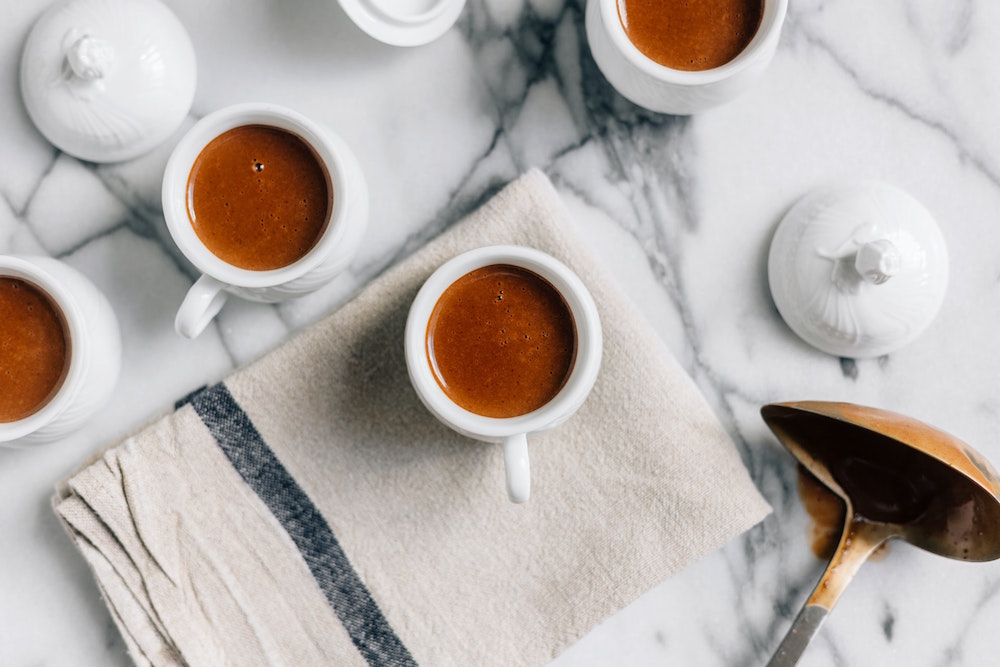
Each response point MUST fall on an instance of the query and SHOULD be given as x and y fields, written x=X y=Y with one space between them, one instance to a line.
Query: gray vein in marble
x=962 y=28
x=978 y=162
x=849 y=367
x=460 y=202
x=833 y=649
x=953 y=652
x=22 y=211
x=119 y=187
x=959 y=20
x=888 y=622
x=104 y=233
x=765 y=540
x=630 y=135
x=146 y=214
x=145 y=221
x=530 y=61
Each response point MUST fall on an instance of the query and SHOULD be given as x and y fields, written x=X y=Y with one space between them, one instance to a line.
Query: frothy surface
x=501 y=341
x=691 y=34
x=32 y=349
x=258 y=197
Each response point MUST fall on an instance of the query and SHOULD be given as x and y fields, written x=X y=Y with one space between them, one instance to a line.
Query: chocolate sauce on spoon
x=898 y=478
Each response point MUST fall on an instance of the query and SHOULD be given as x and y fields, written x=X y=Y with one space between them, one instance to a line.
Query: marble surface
x=681 y=210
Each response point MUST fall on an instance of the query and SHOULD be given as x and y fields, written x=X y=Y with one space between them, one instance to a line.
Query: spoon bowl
x=898 y=477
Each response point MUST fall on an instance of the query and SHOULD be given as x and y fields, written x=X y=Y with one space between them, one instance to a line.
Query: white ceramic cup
x=333 y=251
x=93 y=350
x=511 y=431
x=665 y=90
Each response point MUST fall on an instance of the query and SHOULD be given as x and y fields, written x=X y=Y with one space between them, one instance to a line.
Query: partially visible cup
x=503 y=342
x=60 y=350
x=675 y=90
x=218 y=180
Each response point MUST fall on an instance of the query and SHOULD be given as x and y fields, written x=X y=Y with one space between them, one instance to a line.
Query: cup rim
x=581 y=378
x=760 y=46
x=24 y=269
x=178 y=168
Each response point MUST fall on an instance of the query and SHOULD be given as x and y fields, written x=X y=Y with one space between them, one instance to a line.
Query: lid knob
x=877 y=261
x=89 y=57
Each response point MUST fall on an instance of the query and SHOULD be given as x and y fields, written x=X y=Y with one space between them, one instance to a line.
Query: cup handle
x=203 y=302
x=518 y=469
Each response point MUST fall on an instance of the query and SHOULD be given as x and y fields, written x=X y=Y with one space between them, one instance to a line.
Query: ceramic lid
x=404 y=22
x=858 y=269
x=107 y=80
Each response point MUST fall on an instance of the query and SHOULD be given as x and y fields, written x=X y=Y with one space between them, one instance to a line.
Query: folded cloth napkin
x=309 y=511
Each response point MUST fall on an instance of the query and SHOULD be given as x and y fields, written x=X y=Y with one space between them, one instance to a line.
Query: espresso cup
x=657 y=87
x=336 y=243
x=60 y=382
x=434 y=313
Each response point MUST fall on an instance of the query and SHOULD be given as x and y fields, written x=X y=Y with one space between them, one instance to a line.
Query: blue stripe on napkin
x=262 y=471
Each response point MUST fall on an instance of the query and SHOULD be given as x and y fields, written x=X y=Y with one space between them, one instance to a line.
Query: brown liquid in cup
x=258 y=197
x=690 y=35
x=501 y=341
x=33 y=350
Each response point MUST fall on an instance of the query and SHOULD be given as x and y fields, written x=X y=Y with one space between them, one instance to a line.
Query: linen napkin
x=309 y=511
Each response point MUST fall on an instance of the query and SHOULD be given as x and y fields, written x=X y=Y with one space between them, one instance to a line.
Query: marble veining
x=681 y=211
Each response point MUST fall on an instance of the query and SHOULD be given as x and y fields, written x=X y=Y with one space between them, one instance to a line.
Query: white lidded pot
x=108 y=80
x=858 y=269
x=403 y=22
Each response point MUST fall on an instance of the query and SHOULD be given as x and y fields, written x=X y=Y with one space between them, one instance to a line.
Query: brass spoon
x=897 y=477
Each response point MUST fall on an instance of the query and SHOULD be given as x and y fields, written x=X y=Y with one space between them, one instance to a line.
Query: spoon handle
x=859 y=539
x=803 y=628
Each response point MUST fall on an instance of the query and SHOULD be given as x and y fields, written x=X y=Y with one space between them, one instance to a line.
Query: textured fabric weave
x=259 y=468
x=310 y=511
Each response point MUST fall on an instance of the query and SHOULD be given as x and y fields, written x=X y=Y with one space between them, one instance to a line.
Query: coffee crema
x=690 y=35
x=501 y=341
x=33 y=349
x=258 y=197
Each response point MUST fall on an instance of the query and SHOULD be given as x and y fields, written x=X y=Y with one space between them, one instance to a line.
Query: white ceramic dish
x=404 y=22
